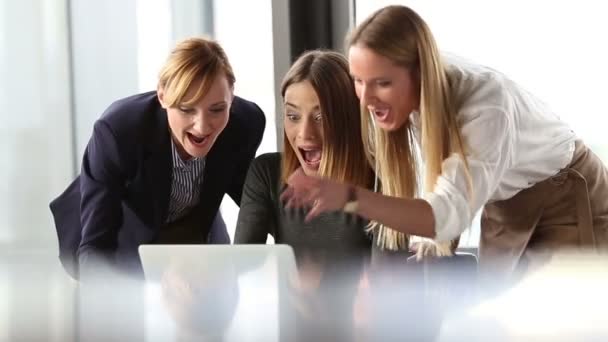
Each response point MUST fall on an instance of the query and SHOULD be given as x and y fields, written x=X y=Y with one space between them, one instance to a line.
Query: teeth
x=312 y=156
x=196 y=139
x=378 y=111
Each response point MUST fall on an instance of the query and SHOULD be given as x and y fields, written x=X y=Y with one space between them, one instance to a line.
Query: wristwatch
x=352 y=204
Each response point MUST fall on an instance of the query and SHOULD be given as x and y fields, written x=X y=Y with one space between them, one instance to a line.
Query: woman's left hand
x=321 y=195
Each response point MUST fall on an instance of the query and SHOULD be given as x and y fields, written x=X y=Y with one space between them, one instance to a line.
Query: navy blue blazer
x=121 y=197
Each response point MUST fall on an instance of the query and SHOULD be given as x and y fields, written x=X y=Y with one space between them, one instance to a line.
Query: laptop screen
x=227 y=292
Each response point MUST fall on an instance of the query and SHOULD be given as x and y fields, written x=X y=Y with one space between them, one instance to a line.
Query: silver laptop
x=158 y=259
x=227 y=292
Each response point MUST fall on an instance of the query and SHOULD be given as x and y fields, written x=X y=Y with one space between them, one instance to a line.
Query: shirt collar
x=178 y=163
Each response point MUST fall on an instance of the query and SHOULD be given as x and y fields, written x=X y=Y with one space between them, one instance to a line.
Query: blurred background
x=62 y=62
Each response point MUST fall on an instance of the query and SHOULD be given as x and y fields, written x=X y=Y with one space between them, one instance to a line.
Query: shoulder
x=483 y=98
x=265 y=172
x=474 y=85
x=245 y=128
x=130 y=109
x=246 y=115
x=267 y=166
x=269 y=160
x=135 y=116
x=133 y=127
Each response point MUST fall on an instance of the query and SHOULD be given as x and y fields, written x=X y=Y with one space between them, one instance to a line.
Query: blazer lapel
x=212 y=179
x=218 y=167
x=158 y=164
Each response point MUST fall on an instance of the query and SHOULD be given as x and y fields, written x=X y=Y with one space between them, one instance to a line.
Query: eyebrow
x=317 y=107
x=218 y=104
x=291 y=105
x=375 y=79
x=221 y=103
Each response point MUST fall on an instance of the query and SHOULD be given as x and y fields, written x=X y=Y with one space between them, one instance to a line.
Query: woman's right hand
x=428 y=248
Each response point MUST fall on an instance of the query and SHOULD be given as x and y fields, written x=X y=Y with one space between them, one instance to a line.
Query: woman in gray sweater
x=321 y=137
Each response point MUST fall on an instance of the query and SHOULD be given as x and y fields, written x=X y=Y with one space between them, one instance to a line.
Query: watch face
x=351 y=207
x=351 y=202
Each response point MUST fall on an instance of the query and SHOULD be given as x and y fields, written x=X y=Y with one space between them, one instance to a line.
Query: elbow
x=447 y=233
x=448 y=220
x=429 y=234
x=93 y=263
x=428 y=225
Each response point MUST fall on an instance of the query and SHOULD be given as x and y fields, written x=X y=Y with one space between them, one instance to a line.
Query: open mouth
x=198 y=141
x=311 y=156
x=380 y=114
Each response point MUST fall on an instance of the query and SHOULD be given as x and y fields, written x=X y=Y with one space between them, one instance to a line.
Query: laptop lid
x=238 y=291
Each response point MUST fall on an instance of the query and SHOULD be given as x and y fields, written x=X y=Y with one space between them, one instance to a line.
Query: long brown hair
x=343 y=157
x=401 y=35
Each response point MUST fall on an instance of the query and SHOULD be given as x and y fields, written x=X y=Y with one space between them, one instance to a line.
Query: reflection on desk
x=564 y=301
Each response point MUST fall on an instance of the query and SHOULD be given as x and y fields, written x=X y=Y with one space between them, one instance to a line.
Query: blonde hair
x=400 y=34
x=343 y=156
x=193 y=60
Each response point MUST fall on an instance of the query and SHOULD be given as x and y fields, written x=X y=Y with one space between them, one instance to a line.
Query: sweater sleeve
x=256 y=215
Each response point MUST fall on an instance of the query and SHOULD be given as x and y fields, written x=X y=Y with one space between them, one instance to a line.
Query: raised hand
x=320 y=194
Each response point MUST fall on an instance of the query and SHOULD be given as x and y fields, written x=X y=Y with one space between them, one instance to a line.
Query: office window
x=35 y=128
x=246 y=35
x=115 y=53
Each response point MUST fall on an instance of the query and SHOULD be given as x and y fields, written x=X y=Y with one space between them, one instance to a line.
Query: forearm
x=250 y=230
x=94 y=263
x=253 y=223
x=409 y=216
x=254 y=219
x=101 y=218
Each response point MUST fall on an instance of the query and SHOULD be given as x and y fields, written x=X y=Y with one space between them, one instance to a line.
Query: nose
x=308 y=129
x=367 y=95
x=199 y=123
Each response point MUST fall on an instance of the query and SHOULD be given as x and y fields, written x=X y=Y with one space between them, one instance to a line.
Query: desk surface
x=38 y=302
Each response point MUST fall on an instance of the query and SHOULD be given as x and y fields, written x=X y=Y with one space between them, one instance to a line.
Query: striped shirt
x=186 y=180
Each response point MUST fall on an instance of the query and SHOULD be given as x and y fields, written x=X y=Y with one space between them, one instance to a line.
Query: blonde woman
x=485 y=143
x=159 y=163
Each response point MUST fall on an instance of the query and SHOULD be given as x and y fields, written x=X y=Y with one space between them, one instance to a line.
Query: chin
x=389 y=126
x=198 y=153
x=310 y=171
x=384 y=126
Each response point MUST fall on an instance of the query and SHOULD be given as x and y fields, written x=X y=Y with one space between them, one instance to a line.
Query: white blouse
x=513 y=141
